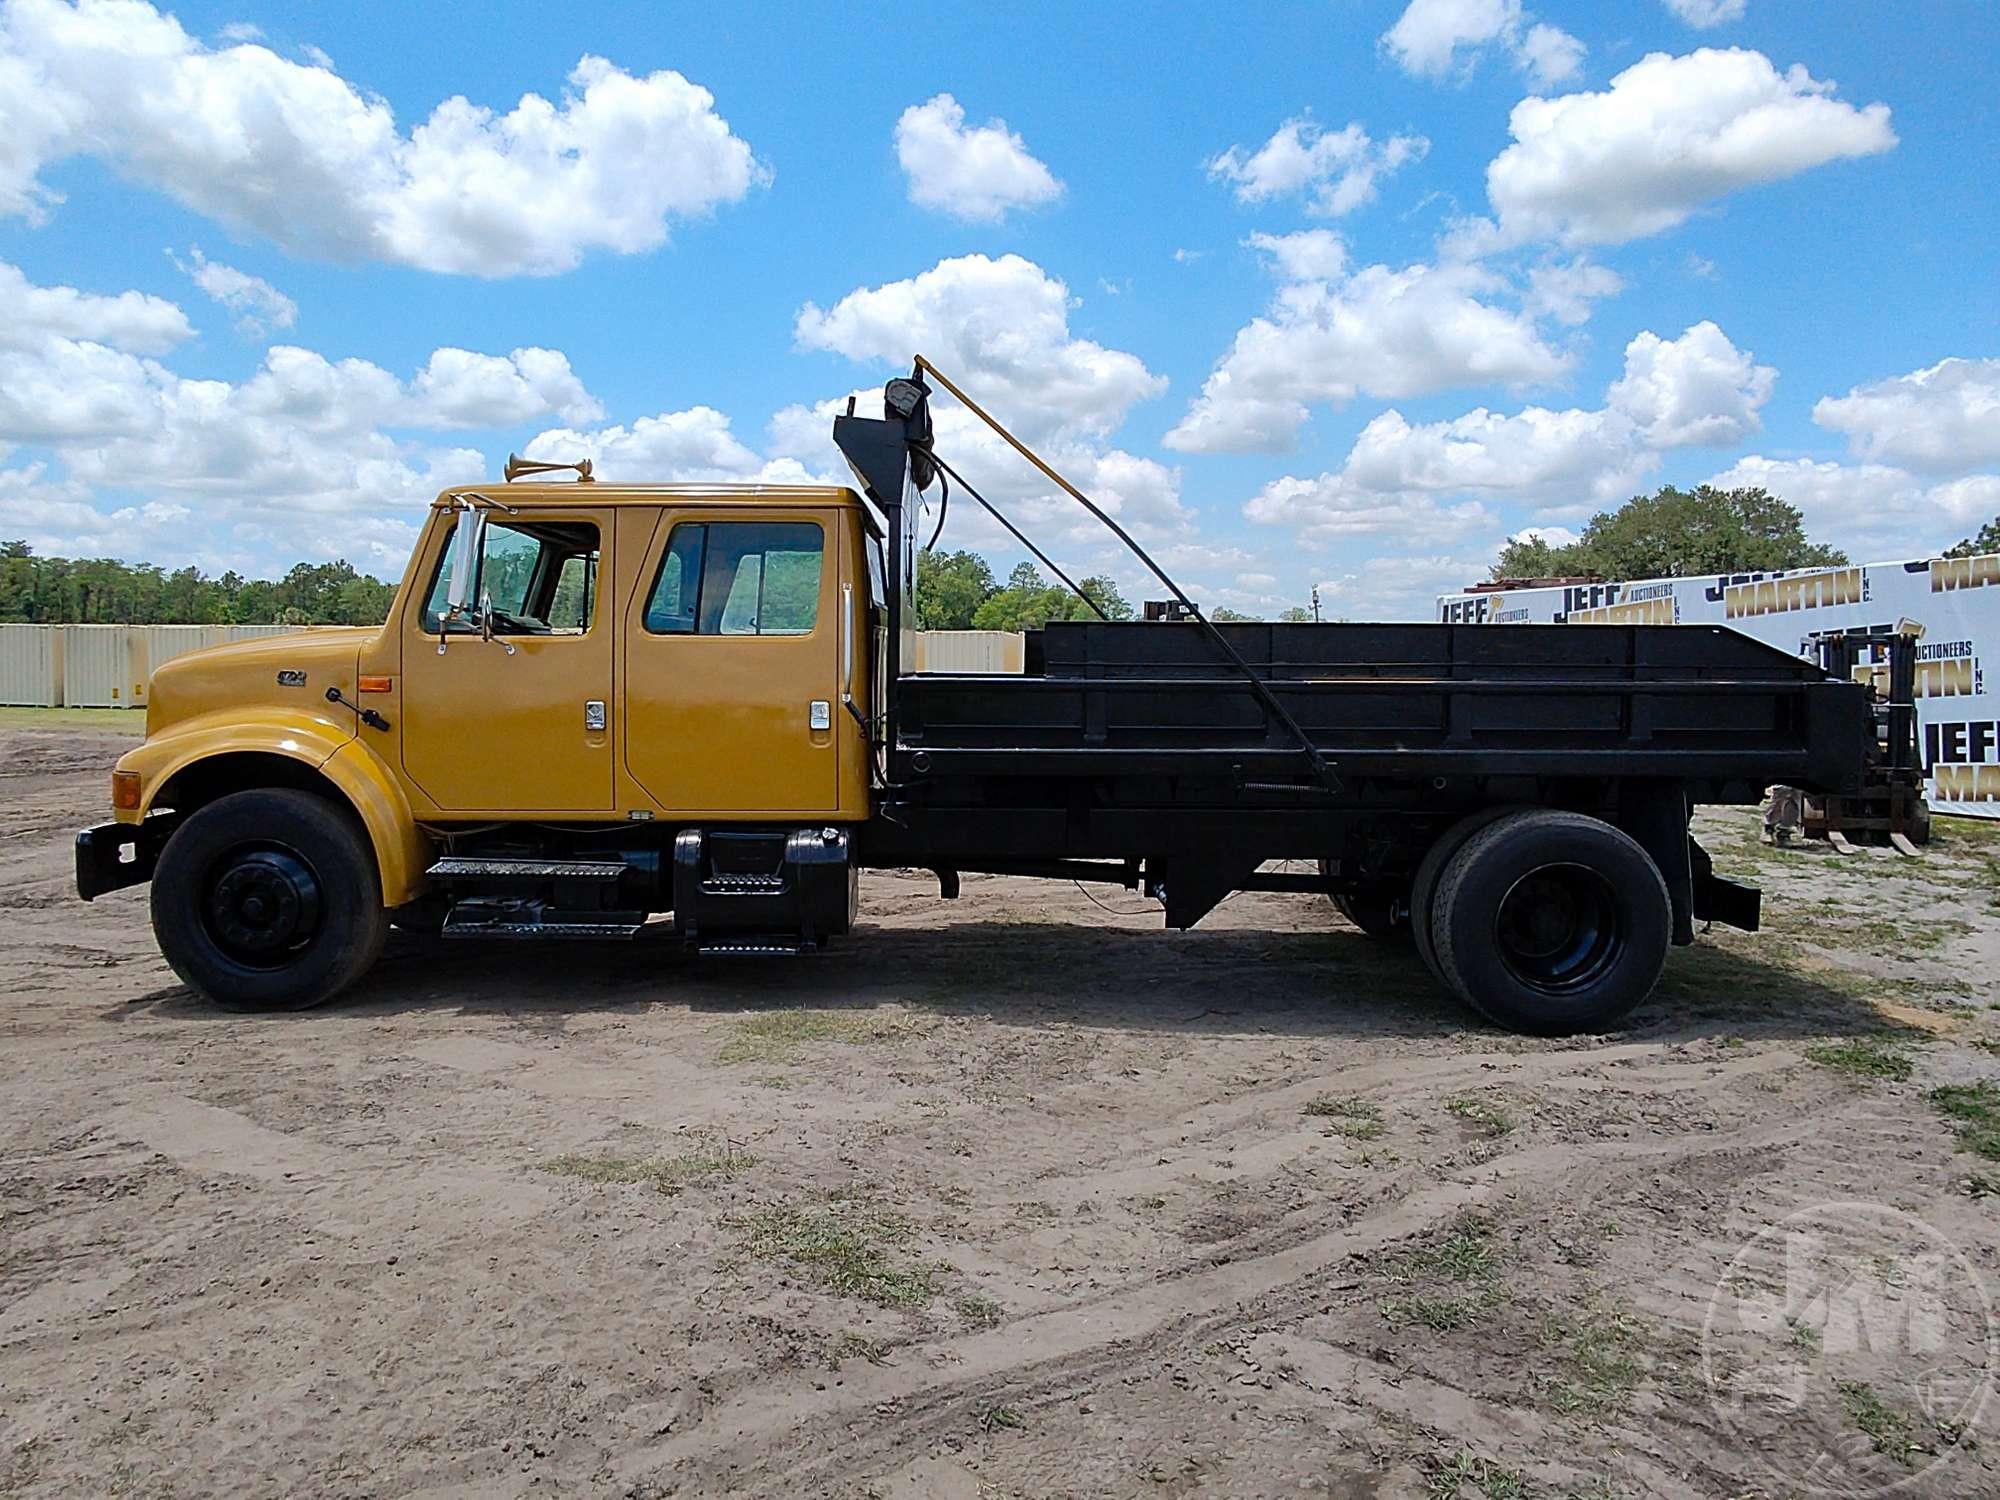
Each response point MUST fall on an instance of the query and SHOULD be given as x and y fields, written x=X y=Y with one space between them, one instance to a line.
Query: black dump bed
x=1700 y=704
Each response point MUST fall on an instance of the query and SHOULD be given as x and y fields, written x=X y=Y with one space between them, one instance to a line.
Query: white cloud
x=1337 y=168
x=976 y=174
x=1566 y=290
x=1553 y=453
x=692 y=445
x=1875 y=512
x=1669 y=135
x=1444 y=38
x=1305 y=255
x=1945 y=418
x=1403 y=588
x=458 y=388
x=306 y=457
x=1698 y=390
x=297 y=153
x=1331 y=508
x=132 y=321
x=997 y=327
x=258 y=305
x=1706 y=13
x=1548 y=55
x=1392 y=334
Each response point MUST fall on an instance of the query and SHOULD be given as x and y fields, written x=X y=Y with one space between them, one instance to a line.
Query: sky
x=1334 y=295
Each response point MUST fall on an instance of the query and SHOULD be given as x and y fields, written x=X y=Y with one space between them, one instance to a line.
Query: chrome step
x=457 y=867
x=742 y=885
x=512 y=920
x=775 y=947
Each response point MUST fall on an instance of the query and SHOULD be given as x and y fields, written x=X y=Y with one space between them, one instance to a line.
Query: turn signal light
x=376 y=684
x=125 y=791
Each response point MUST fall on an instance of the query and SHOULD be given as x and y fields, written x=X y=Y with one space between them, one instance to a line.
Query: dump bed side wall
x=1708 y=707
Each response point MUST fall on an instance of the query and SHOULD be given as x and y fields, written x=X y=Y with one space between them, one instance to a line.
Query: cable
x=1021 y=537
x=1144 y=911
x=944 y=508
x=1322 y=768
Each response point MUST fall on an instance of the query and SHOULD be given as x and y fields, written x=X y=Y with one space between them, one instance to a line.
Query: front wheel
x=1551 y=922
x=269 y=900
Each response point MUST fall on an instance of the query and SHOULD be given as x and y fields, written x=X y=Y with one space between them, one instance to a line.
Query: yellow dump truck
x=686 y=713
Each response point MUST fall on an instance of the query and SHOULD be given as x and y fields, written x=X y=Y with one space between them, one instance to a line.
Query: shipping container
x=101 y=665
x=1000 y=651
x=31 y=673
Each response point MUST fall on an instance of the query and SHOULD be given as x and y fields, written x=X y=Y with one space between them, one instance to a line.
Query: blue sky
x=1336 y=294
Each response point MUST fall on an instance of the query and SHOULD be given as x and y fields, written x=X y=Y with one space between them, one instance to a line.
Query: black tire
x=1423 y=889
x=269 y=900
x=1551 y=923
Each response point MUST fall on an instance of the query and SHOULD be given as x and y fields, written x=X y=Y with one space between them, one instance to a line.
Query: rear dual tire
x=269 y=900
x=1545 y=922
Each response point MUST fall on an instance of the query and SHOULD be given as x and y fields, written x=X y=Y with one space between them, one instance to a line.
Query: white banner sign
x=1952 y=605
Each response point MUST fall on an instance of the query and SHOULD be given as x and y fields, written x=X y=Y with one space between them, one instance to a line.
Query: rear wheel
x=1551 y=922
x=1431 y=868
x=268 y=900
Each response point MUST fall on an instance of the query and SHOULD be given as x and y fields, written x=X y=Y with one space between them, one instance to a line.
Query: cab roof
x=569 y=492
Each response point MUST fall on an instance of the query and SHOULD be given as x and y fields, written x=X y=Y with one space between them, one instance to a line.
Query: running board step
x=751 y=947
x=744 y=885
x=455 y=867
x=473 y=919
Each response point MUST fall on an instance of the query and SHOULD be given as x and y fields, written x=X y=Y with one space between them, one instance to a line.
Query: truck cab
x=580 y=688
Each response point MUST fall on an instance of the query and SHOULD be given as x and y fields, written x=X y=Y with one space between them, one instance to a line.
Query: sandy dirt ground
x=1010 y=1197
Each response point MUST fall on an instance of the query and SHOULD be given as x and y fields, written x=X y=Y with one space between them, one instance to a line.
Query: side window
x=540 y=577
x=738 y=578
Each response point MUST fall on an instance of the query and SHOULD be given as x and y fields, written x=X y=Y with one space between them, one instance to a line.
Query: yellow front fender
x=402 y=852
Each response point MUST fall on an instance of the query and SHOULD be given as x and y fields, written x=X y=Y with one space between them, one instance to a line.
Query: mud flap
x=1718 y=899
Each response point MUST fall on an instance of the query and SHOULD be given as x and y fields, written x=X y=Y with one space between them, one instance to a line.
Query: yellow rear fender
x=199 y=762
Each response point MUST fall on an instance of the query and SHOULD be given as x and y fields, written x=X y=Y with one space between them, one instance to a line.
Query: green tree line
x=103 y=591
x=957 y=591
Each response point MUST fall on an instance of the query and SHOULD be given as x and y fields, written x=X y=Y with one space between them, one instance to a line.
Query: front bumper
x=112 y=856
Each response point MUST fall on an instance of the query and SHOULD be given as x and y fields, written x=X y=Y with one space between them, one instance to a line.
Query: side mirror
x=466 y=549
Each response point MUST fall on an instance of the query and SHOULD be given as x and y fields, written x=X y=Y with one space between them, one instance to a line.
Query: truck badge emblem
x=291 y=677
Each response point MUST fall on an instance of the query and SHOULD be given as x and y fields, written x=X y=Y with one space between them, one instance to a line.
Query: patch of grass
x=777 y=1035
x=709 y=1157
x=1595 y=1355
x=856 y=1346
x=1863 y=1056
x=1483 y=1114
x=845 y=1247
x=995 y=1418
x=1888 y=1430
x=1464 y=1252
x=1448 y=1478
x=131 y=720
x=1974 y=1108
x=978 y=1310
x=1439 y=1314
x=1357 y=1119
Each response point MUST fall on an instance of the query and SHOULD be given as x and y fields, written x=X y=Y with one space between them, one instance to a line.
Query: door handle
x=593 y=715
x=847 y=657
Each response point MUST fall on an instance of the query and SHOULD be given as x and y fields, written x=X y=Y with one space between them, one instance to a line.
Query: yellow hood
x=289 y=672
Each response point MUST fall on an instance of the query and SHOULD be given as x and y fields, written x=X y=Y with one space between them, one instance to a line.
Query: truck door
x=519 y=723
x=732 y=665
